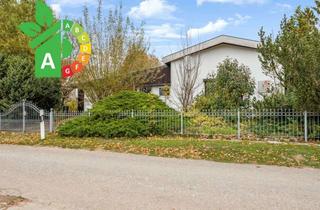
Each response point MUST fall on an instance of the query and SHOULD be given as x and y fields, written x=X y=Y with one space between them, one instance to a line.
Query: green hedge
x=111 y=117
x=83 y=127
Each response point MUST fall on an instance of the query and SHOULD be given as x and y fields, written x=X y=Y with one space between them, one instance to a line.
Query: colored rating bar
x=83 y=57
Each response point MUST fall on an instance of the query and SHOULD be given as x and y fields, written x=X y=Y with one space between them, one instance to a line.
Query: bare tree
x=120 y=55
x=188 y=72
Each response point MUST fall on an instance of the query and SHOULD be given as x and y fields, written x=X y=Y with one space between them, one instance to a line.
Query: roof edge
x=218 y=40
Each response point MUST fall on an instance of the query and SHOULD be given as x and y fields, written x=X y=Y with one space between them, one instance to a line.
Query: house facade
x=211 y=53
x=79 y=100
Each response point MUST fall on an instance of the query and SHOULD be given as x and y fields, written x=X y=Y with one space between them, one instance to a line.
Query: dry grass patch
x=7 y=201
x=283 y=154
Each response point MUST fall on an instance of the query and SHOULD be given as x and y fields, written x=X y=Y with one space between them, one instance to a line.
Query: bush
x=230 y=88
x=276 y=101
x=127 y=101
x=200 y=123
x=83 y=127
x=79 y=127
x=111 y=117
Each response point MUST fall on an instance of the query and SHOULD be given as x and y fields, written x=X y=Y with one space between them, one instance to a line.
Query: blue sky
x=166 y=20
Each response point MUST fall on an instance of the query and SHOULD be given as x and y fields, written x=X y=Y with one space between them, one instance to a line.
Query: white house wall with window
x=211 y=53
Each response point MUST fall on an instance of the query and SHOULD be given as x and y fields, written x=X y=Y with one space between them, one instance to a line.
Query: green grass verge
x=284 y=154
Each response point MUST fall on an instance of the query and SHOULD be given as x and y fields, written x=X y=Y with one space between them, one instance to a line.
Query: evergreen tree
x=293 y=57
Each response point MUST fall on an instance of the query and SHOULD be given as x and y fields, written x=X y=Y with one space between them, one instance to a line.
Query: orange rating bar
x=83 y=58
x=76 y=67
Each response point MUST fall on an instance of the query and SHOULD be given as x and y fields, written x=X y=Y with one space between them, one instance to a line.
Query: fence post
x=238 y=125
x=24 y=116
x=51 y=121
x=181 y=122
x=42 y=127
x=305 y=114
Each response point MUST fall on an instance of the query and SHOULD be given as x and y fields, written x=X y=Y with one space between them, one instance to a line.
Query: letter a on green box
x=48 y=58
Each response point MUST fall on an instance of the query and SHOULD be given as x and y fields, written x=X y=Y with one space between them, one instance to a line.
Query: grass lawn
x=282 y=154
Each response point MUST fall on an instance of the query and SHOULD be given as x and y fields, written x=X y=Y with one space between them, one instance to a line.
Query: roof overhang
x=223 y=39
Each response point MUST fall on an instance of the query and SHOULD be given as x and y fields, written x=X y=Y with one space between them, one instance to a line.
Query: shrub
x=270 y=127
x=314 y=132
x=130 y=128
x=127 y=101
x=111 y=117
x=231 y=87
x=276 y=101
x=200 y=123
x=80 y=127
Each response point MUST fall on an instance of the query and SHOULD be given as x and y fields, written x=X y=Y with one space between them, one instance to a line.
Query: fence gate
x=22 y=117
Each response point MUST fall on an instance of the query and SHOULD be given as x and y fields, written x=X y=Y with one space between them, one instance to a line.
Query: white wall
x=156 y=90
x=87 y=103
x=210 y=58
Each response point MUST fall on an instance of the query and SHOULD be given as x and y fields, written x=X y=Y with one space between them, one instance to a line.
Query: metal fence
x=56 y=117
x=25 y=117
x=241 y=124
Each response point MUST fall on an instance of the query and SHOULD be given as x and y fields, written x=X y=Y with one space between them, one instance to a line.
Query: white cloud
x=56 y=9
x=239 y=19
x=218 y=25
x=168 y=31
x=159 y=9
x=200 y=2
x=164 y=31
x=211 y=27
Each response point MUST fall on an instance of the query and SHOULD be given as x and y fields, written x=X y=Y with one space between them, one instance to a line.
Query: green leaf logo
x=30 y=29
x=51 y=46
x=44 y=14
x=44 y=17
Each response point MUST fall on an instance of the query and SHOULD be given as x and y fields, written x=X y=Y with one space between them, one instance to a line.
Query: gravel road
x=53 y=178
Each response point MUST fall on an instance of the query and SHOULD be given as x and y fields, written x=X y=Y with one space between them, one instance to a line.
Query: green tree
x=12 y=14
x=231 y=87
x=292 y=56
x=17 y=82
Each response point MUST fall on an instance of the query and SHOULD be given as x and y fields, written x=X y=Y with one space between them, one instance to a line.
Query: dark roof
x=162 y=78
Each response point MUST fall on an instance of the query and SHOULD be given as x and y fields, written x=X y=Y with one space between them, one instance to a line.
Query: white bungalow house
x=212 y=52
